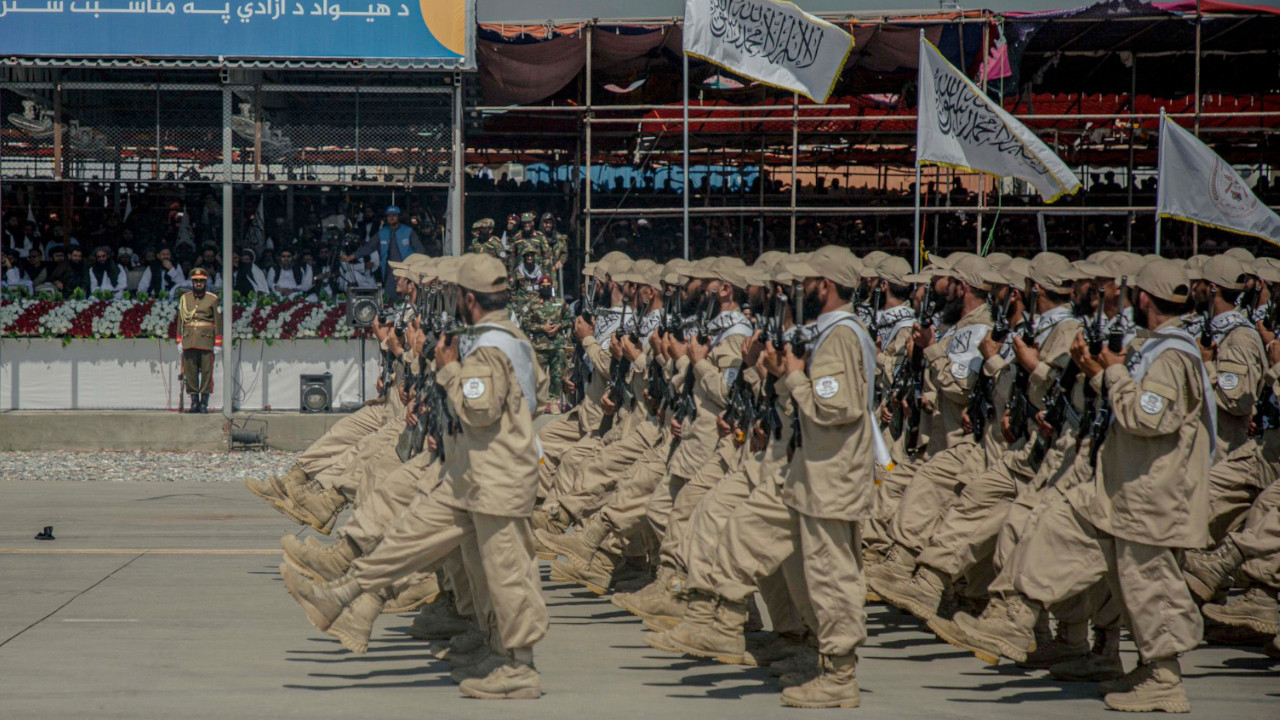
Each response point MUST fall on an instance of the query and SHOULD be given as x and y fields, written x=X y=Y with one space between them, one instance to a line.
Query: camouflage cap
x=527 y=217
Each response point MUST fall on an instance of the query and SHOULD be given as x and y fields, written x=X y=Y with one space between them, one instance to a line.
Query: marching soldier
x=200 y=331
x=557 y=246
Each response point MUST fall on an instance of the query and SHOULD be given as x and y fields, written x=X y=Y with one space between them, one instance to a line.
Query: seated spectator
x=14 y=276
x=40 y=271
x=105 y=275
x=289 y=279
x=162 y=277
x=247 y=278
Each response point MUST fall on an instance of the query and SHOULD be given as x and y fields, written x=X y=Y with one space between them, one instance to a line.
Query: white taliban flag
x=960 y=127
x=773 y=42
x=1198 y=186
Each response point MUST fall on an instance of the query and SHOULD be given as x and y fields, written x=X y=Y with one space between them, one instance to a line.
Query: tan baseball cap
x=446 y=268
x=1224 y=271
x=872 y=260
x=1240 y=254
x=634 y=274
x=834 y=263
x=715 y=268
x=482 y=272
x=1017 y=272
x=998 y=259
x=1165 y=279
x=1267 y=268
x=1054 y=272
x=971 y=270
x=402 y=264
x=416 y=268
x=894 y=269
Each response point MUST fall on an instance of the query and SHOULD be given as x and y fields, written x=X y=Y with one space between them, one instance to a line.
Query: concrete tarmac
x=162 y=600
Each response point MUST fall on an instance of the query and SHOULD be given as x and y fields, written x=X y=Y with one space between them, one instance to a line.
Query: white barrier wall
x=38 y=374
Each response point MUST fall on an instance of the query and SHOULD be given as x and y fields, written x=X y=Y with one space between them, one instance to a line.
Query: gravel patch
x=117 y=466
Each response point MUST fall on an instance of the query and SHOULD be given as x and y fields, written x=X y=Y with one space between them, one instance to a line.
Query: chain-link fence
x=284 y=134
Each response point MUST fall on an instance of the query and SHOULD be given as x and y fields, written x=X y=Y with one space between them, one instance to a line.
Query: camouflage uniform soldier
x=528 y=238
x=558 y=247
x=545 y=319
x=483 y=240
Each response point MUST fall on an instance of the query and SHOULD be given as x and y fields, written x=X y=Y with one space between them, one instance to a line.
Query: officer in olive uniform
x=200 y=331
x=545 y=319
x=484 y=241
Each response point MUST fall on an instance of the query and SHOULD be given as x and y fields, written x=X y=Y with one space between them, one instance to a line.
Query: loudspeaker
x=363 y=305
x=315 y=393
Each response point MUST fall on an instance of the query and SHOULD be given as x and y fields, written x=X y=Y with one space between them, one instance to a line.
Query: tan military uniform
x=1149 y=497
x=1236 y=372
x=200 y=320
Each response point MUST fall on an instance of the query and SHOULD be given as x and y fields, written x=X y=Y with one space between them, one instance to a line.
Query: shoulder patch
x=960 y=370
x=473 y=388
x=1151 y=403
x=826 y=387
x=1228 y=381
x=730 y=375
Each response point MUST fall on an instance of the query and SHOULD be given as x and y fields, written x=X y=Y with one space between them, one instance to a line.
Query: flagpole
x=915 y=234
x=685 y=133
x=1159 y=185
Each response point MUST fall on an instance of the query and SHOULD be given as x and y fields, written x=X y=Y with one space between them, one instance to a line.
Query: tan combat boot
x=416 y=591
x=1206 y=571
x=1008 y=630
x=779 y=648
x=322 y=602
x=1159 y=688
x=515 y=679
x=837 y=686
x=354 y=626
x=658 y=599
x=439 y=621
x=582 y=544
x=595 y=573
x=320 y=562
x=315 y=505
x=1070 y=642
x=898 y=564
x=275 y=489
x=920 y=595
x=1256 y=609
x=660 y=579
x=718 y=637
x=1100 y=664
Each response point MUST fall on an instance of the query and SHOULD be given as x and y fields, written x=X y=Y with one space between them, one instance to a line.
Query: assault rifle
x=1057 y=402
x=435 y=417
x=1271 y=318
x=980 y=406
x=1206 y=320
x=908 y=380
x=683 y=406
x=1018 y=407
x=583 y=372
x=1101 y=418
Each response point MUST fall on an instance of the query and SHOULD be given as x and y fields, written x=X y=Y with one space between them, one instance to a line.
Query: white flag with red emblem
x=1198 y=186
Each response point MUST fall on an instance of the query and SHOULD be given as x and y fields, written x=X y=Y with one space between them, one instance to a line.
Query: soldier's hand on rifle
x=380 y=331
x=432 y=445
x=581 y=328
x=886 y=414
x=922 y=336
x=1267 y=335
x=606 y=403
x=446 y=351
x=791 y=363
x=965 y=422
x=676 y=347
x=1273 y=351
x=1006 y=427
x=570 y=387
x=773 y=361
x=404 y=395
x=381 y=385
x=1045 y=428
x=629 y=349
x=988 y=347
x=1089 y=365
x=414 y=337
x=751 y=349
x=394 y=345
x=615 y=347
x=697 y=351
x=759 y=438
x=1028 y=355
x=675 y=427
x=722 y=427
